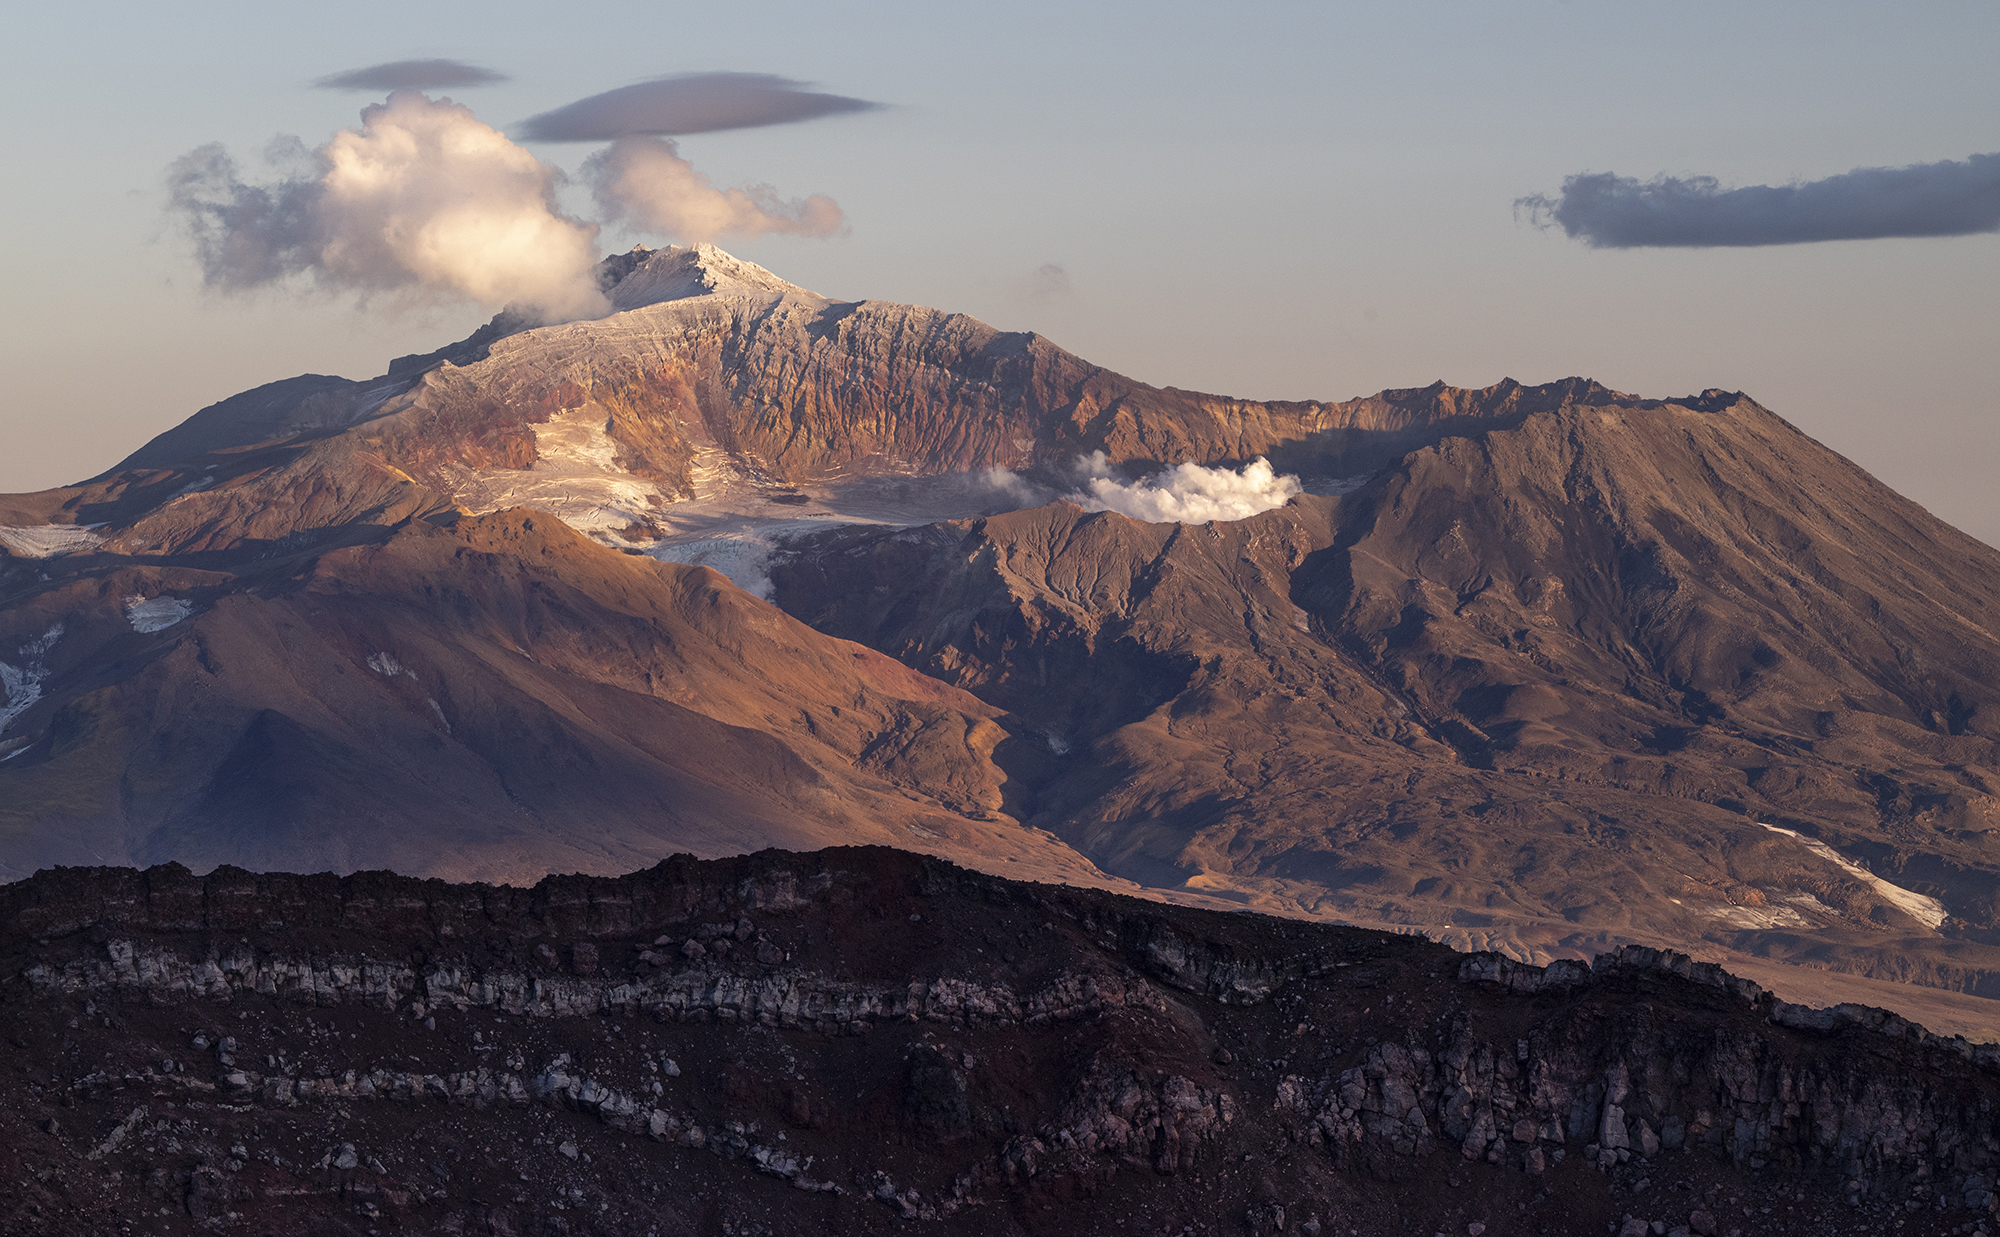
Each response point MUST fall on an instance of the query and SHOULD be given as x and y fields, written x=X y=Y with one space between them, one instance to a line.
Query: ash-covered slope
x=1542 y=687
x=860 y=1040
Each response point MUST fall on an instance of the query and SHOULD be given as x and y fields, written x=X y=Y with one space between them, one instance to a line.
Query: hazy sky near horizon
x=1280 y=200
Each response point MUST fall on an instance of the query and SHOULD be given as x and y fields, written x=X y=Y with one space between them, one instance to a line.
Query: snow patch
x=1759 y=916
x=740 y=517
x=576 y=478
x=156 y=613
x=1811 y=903
x=50 y=540
x=22 y=685
x=1185 y=493
x=1925 y=910
x=386 y=665
x=678 y=272
x=196 y=486
x=742 y=551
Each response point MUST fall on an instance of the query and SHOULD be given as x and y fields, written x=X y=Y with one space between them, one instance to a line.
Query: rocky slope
x=1540 y=688
x=489 y=697
x=860 y=1040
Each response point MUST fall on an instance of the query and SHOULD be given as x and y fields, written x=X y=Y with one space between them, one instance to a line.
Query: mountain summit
x=1541 y=668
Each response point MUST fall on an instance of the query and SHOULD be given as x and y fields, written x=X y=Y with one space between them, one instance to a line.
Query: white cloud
x=1185 y=493
x=1015 y=486
x=422 y=200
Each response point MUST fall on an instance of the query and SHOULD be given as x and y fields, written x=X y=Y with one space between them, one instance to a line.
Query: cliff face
x=852 y=1040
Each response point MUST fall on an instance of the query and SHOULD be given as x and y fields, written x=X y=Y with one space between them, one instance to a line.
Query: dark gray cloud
x=244 y=235
x=692 y=103
x=411 y=75
x=1927 y=199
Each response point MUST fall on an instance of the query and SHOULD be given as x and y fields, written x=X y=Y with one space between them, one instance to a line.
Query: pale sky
x=1279 y=200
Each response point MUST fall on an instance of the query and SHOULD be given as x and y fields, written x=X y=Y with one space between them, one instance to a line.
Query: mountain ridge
x=854 y=1039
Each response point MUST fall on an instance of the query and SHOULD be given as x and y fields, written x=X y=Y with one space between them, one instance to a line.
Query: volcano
x=1541 y=669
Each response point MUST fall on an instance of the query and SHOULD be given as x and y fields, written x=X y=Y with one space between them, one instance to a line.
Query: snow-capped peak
x=649 y=276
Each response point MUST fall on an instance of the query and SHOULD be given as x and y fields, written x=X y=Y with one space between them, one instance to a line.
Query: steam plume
x=1928 y=199
x=1185 y=493
x=1016 y=487
x=423 y=199
x=644 y=181
x=411 y=75
x=691 y=103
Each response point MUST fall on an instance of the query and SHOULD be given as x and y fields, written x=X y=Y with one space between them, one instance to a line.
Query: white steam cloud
x=1015 y=487
x=424 y=202
x=1929 y=199
x=423 y=199
x=1185 y=493
x=645 y=182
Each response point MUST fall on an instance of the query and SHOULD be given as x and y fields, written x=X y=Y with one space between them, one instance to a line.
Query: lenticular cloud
x=1928 y=199
x=411 y=75
x=422 y=200
x=1185 y=493
x=691 y=103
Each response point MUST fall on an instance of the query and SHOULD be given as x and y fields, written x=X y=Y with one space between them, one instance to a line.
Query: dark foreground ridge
x=865 y=1041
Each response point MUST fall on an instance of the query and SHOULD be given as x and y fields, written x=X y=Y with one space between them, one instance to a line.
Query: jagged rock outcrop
x=884 y=1038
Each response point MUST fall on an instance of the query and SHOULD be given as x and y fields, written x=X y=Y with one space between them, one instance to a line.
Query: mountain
x=861 y=1040
x=1620 y=669
x=1546 y=669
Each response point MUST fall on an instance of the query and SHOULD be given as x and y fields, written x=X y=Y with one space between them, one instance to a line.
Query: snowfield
x=1925 y=910
x=156 y=613
x=22 y=684
x=49 y=540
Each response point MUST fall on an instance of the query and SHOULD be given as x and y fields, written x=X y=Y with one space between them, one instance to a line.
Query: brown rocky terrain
x=1539 y=688
x=1539 y=684
x=862 y=1040
x=490 y=696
